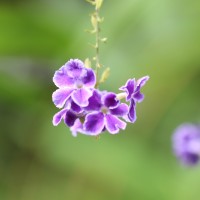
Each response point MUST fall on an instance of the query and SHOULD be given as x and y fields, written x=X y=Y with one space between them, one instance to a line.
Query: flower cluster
x=86 y=109
x=186 y=143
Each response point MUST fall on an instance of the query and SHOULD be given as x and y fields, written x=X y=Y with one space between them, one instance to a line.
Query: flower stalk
x=95 y=21
x=96 y=14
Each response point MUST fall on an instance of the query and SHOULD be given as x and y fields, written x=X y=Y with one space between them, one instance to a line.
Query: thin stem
x=97 y=42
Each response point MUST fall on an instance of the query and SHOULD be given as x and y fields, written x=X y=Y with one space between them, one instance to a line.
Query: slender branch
x=97 y=42
x=96 y=20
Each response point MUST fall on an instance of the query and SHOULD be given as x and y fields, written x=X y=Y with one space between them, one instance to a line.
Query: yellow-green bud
x=87 y=63
x=105 y=75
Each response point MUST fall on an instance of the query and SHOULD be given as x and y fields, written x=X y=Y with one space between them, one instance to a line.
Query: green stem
x=97 y=43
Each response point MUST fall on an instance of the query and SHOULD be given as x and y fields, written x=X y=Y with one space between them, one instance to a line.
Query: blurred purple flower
x=104 y=110
x=132 y=89
x=75 y=81
x=186 y=143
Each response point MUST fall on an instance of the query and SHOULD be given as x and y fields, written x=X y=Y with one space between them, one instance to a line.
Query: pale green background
x=159 y=38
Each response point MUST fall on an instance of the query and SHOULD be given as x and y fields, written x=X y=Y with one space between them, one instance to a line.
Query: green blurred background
x=159 y=38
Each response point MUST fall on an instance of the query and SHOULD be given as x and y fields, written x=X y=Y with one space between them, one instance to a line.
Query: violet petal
x=60 y=96
x=75 y=107
x=94 y=102
x=129 y=88
x=77 y=127
x=110 y=100
x=94 y=123
x=81 y=96
x=113 y=124
x=120 y=111
x=61 y=79
x=89 y=79
x=58 y=117
x=75 y=68
x=188 y=158
x=70 y=118
x=141 y=82
x=138 y=96
x=132 y=111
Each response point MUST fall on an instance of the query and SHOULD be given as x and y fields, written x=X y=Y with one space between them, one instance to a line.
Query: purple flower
x=132 y=89
x=74 y=81
x=186 y=143
x=88 y=110
x=104 y=110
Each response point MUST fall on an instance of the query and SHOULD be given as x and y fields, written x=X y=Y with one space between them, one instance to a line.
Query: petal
x=70 y=118
x=194 y=146
x=120 y=111
x=110 y=100
x=188 y=158
x=89 y=79
x=58 y=117
x=60 y=96
x=75 y=68
x=132 y=112
x=138 y=96
x=113 y=124
x=77 y=127
x=81 y=96
x=129 y=87
x=94 y=123
x=141 y=82
x=61 y=79
x=94 y=102
x=75 y=107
